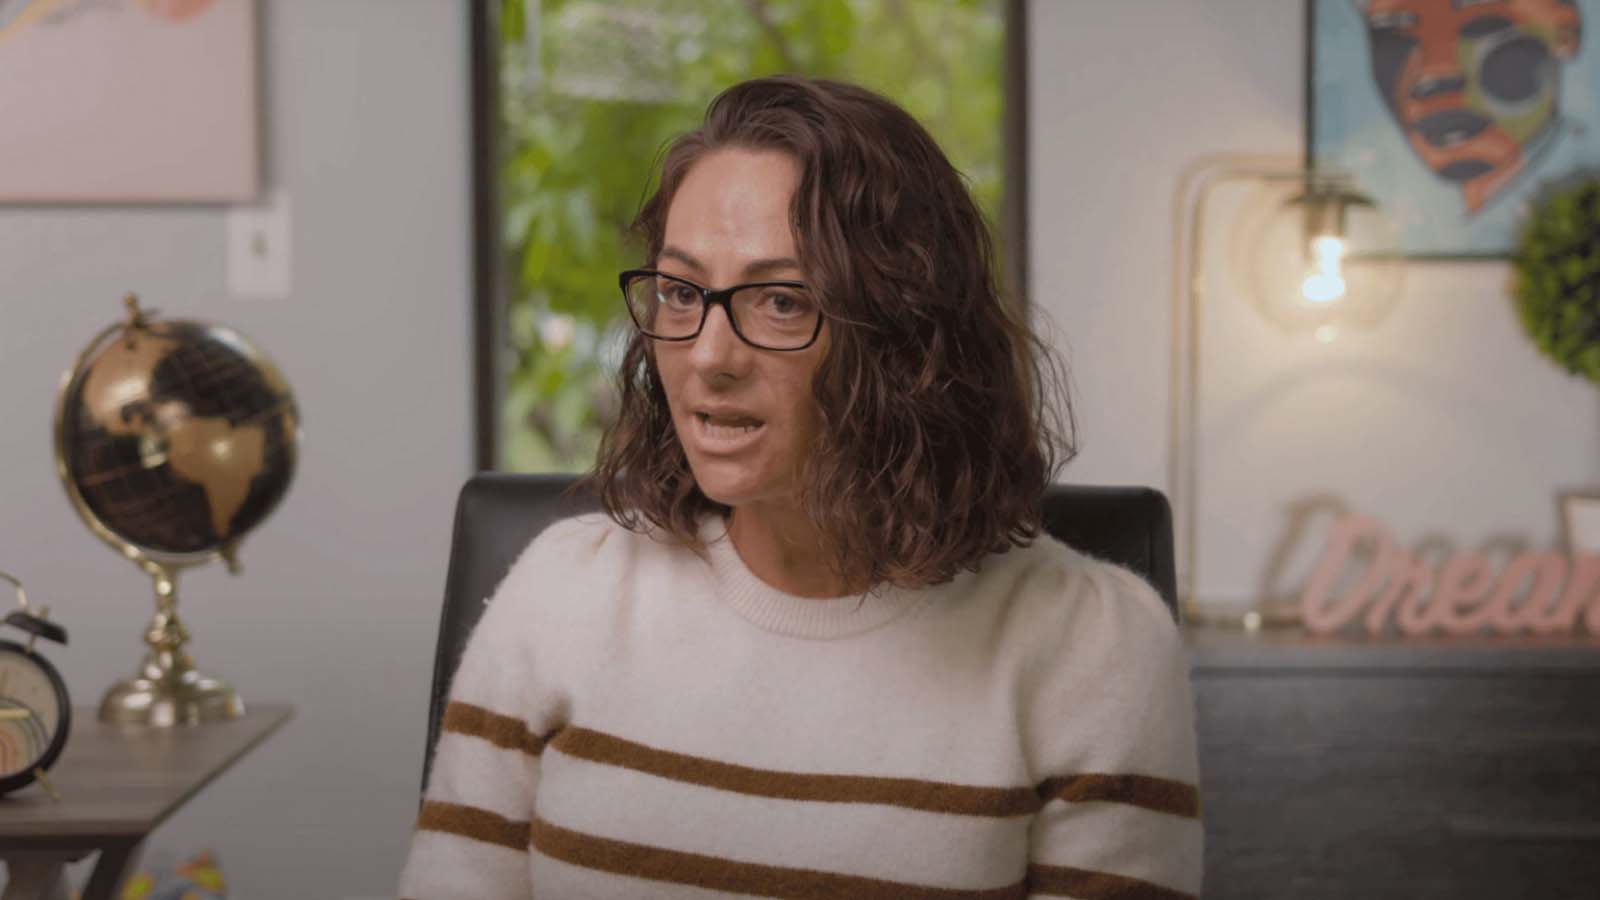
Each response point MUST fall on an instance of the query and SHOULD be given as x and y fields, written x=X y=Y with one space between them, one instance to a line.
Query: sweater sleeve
x=471 y=835
x=1110 y=726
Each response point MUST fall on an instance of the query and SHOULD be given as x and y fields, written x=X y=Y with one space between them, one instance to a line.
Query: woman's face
x=729 y=224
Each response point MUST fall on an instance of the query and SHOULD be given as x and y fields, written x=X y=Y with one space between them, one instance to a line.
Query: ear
x=1568 y=22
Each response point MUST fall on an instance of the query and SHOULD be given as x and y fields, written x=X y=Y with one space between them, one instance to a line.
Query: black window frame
x=488 y=270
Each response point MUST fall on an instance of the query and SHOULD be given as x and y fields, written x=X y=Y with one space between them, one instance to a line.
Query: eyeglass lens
x=772 y=316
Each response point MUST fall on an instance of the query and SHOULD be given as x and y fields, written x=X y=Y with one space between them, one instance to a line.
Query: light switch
x=259 y=264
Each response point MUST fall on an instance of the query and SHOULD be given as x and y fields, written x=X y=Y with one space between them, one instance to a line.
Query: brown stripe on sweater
x=719 y=874
x=910 y=793
x=502 y=731
x=1159 y=794
x=1084 y=884
x=472 y=822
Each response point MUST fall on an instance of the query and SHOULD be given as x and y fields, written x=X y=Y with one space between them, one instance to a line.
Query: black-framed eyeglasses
x=772 y=315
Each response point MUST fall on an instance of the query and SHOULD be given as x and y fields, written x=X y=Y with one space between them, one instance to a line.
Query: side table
x=117 y=783
x=1339 y=767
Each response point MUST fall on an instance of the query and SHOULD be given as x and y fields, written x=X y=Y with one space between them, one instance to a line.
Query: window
x=574 y=99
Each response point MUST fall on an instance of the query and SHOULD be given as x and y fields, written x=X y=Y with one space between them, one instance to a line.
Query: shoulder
x=571 y=544
x=567 y=558
x=1090 y=632
x=1107 y=684
x=576 y=537
x=567 y=553
x=1061 y=593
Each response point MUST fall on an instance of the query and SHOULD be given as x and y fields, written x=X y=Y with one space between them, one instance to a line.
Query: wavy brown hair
x=939 y=427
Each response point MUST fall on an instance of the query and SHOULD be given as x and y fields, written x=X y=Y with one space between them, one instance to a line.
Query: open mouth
x=1451 y=126
x=724 y=428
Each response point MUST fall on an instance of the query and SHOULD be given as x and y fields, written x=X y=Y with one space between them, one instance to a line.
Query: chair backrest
x=499 y=513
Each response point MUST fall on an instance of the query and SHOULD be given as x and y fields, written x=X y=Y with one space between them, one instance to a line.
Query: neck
x=781 y=546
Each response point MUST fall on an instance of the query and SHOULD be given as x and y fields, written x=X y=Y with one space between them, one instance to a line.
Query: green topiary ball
x=1557 y=271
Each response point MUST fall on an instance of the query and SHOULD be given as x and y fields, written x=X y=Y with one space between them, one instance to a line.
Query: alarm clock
x=35 y=711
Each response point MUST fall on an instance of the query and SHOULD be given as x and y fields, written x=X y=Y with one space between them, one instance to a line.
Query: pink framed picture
x=128 y=101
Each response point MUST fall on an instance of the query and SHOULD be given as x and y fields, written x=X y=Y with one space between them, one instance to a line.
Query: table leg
x=111 y=869
x=35 y=876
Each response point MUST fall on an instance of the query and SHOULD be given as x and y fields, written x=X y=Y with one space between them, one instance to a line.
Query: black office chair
x=499 y=513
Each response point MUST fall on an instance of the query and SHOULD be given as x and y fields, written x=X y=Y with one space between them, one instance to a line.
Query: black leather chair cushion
x=498 y=513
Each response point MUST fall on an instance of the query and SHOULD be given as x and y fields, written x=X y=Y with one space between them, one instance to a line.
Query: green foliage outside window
x=591 y=91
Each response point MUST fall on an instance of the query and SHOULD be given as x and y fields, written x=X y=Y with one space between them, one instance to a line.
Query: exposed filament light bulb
x=1325 y=282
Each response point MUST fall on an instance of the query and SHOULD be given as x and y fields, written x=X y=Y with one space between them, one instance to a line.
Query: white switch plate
x=259 y=263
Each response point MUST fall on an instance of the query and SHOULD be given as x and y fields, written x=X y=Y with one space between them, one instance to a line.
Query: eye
x=1396 y=20
x=1485 y=26
x=680 y=296
x=784 y=303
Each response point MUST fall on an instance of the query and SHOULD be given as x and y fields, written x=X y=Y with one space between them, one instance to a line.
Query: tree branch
x=763 y=16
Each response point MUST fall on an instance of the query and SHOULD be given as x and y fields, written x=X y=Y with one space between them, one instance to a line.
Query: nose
x=717 y=348
x=1433 y=85
x=1440 y=69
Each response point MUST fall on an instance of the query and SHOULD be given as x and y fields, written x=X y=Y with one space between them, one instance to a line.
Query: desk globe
x=174 y=439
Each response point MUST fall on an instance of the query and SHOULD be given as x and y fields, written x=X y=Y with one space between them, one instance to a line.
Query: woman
x=817 y=646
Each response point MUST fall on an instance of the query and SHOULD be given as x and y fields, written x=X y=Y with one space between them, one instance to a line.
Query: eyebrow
x=752 y=269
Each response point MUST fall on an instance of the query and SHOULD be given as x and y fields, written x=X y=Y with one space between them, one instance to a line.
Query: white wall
x=366 y=128
x=1445 y=422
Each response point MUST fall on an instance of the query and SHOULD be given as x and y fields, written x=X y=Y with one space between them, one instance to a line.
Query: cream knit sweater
x=631 y=721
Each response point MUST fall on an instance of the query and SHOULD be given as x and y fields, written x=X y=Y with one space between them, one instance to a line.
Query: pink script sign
x=1463 y=596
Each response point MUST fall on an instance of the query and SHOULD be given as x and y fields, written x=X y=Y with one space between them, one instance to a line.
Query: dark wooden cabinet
x=1337 y=768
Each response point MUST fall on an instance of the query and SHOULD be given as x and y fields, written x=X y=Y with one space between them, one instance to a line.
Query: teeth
x=730 y=421
x=715 y=430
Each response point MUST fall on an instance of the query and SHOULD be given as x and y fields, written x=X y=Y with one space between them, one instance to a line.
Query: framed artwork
x=1454 y=115
x=128 y=101
x=1580 y=519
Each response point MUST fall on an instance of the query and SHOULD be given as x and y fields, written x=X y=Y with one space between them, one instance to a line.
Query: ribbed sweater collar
x=817 y=618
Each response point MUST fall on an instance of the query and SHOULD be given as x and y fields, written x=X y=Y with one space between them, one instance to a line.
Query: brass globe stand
x=168 y=690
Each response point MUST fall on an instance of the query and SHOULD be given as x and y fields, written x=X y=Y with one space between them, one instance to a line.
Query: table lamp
x=1319 y=261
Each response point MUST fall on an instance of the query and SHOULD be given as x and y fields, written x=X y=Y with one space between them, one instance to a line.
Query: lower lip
x=726 y=442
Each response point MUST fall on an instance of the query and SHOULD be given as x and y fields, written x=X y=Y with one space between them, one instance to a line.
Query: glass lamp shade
x=1317 y=256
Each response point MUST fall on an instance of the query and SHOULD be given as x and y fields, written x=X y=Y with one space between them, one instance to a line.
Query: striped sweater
x=632 y=720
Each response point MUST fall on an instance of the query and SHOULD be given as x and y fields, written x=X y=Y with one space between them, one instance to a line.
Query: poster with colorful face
x=1454 y=114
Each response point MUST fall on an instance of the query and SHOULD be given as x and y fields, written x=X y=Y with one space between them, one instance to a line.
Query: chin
x=728 y=488
x=732 y=484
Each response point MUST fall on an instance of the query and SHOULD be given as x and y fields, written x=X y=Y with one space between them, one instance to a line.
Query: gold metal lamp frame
x=1193 y=190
